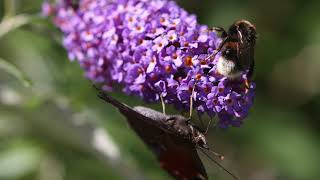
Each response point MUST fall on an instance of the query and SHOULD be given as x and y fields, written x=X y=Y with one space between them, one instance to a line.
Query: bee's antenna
x=218 y=164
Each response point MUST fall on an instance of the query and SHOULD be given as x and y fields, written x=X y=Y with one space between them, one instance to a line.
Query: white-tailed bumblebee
x=237 y=50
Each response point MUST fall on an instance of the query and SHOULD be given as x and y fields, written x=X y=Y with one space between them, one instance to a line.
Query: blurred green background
x=53 y=127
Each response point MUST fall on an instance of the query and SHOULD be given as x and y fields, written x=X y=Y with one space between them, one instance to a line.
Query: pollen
x=215 y=101
x=198 y=76
x=153 y=77
x=139 y=28
x=229 y=101
x=188 y=61
x=206 y=89
x=162 y=20
x=174 y=55
x=140 y=71
x=203 y=62
x=89 y=45
x=168 y=68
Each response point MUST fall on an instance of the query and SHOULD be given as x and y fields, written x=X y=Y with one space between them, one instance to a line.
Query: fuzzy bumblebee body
x=237 y=50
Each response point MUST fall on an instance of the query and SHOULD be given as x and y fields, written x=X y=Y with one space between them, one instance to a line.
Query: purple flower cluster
x=151 y=48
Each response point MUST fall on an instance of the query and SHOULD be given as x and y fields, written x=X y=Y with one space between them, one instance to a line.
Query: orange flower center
x=198 y=76
x=188 y=61
x=174 y=55
x=168 y=68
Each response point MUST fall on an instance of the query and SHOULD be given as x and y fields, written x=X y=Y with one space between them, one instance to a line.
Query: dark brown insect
x=172 y=138
x=237 y=49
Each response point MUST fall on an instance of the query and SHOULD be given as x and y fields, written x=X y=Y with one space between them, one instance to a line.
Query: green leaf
x=10 y=23
x=13 y=70
x=19 y=159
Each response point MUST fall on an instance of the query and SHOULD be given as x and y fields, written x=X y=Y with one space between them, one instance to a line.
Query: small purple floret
x=151 y=48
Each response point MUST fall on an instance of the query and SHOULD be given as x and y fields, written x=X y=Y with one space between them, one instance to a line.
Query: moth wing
x=133 y=116
x=178 y=158
x=176 y=155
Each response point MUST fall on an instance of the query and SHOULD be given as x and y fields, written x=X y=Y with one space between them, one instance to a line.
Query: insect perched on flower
x=158 y=51
x=237 y=50
x=172 y=138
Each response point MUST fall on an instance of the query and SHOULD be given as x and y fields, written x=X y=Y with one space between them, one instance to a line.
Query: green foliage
x=10 y=68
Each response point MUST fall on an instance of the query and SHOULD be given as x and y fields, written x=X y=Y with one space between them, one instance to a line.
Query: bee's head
x=243 y=30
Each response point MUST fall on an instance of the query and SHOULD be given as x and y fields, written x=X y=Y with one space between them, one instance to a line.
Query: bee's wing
x=246 y=56
x=176 y=155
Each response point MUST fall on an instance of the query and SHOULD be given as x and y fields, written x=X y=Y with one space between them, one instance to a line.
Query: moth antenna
x=218 y=155
x=207 y=129
x=201 y=121
x=163 y=105
x=215 y=124
x=191 y=101
x=219 y=165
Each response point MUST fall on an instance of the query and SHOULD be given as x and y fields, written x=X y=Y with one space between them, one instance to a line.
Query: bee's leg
x=221 y=30
x=163 y=105
x=218 y=49
x=249 y=76
x=246 y=83
x=224 y=36
x=251 y=70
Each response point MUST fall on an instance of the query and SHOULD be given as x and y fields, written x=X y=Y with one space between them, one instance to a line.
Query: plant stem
x=9 y=8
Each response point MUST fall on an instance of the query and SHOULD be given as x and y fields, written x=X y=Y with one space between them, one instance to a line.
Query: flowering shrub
x=151 y=48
